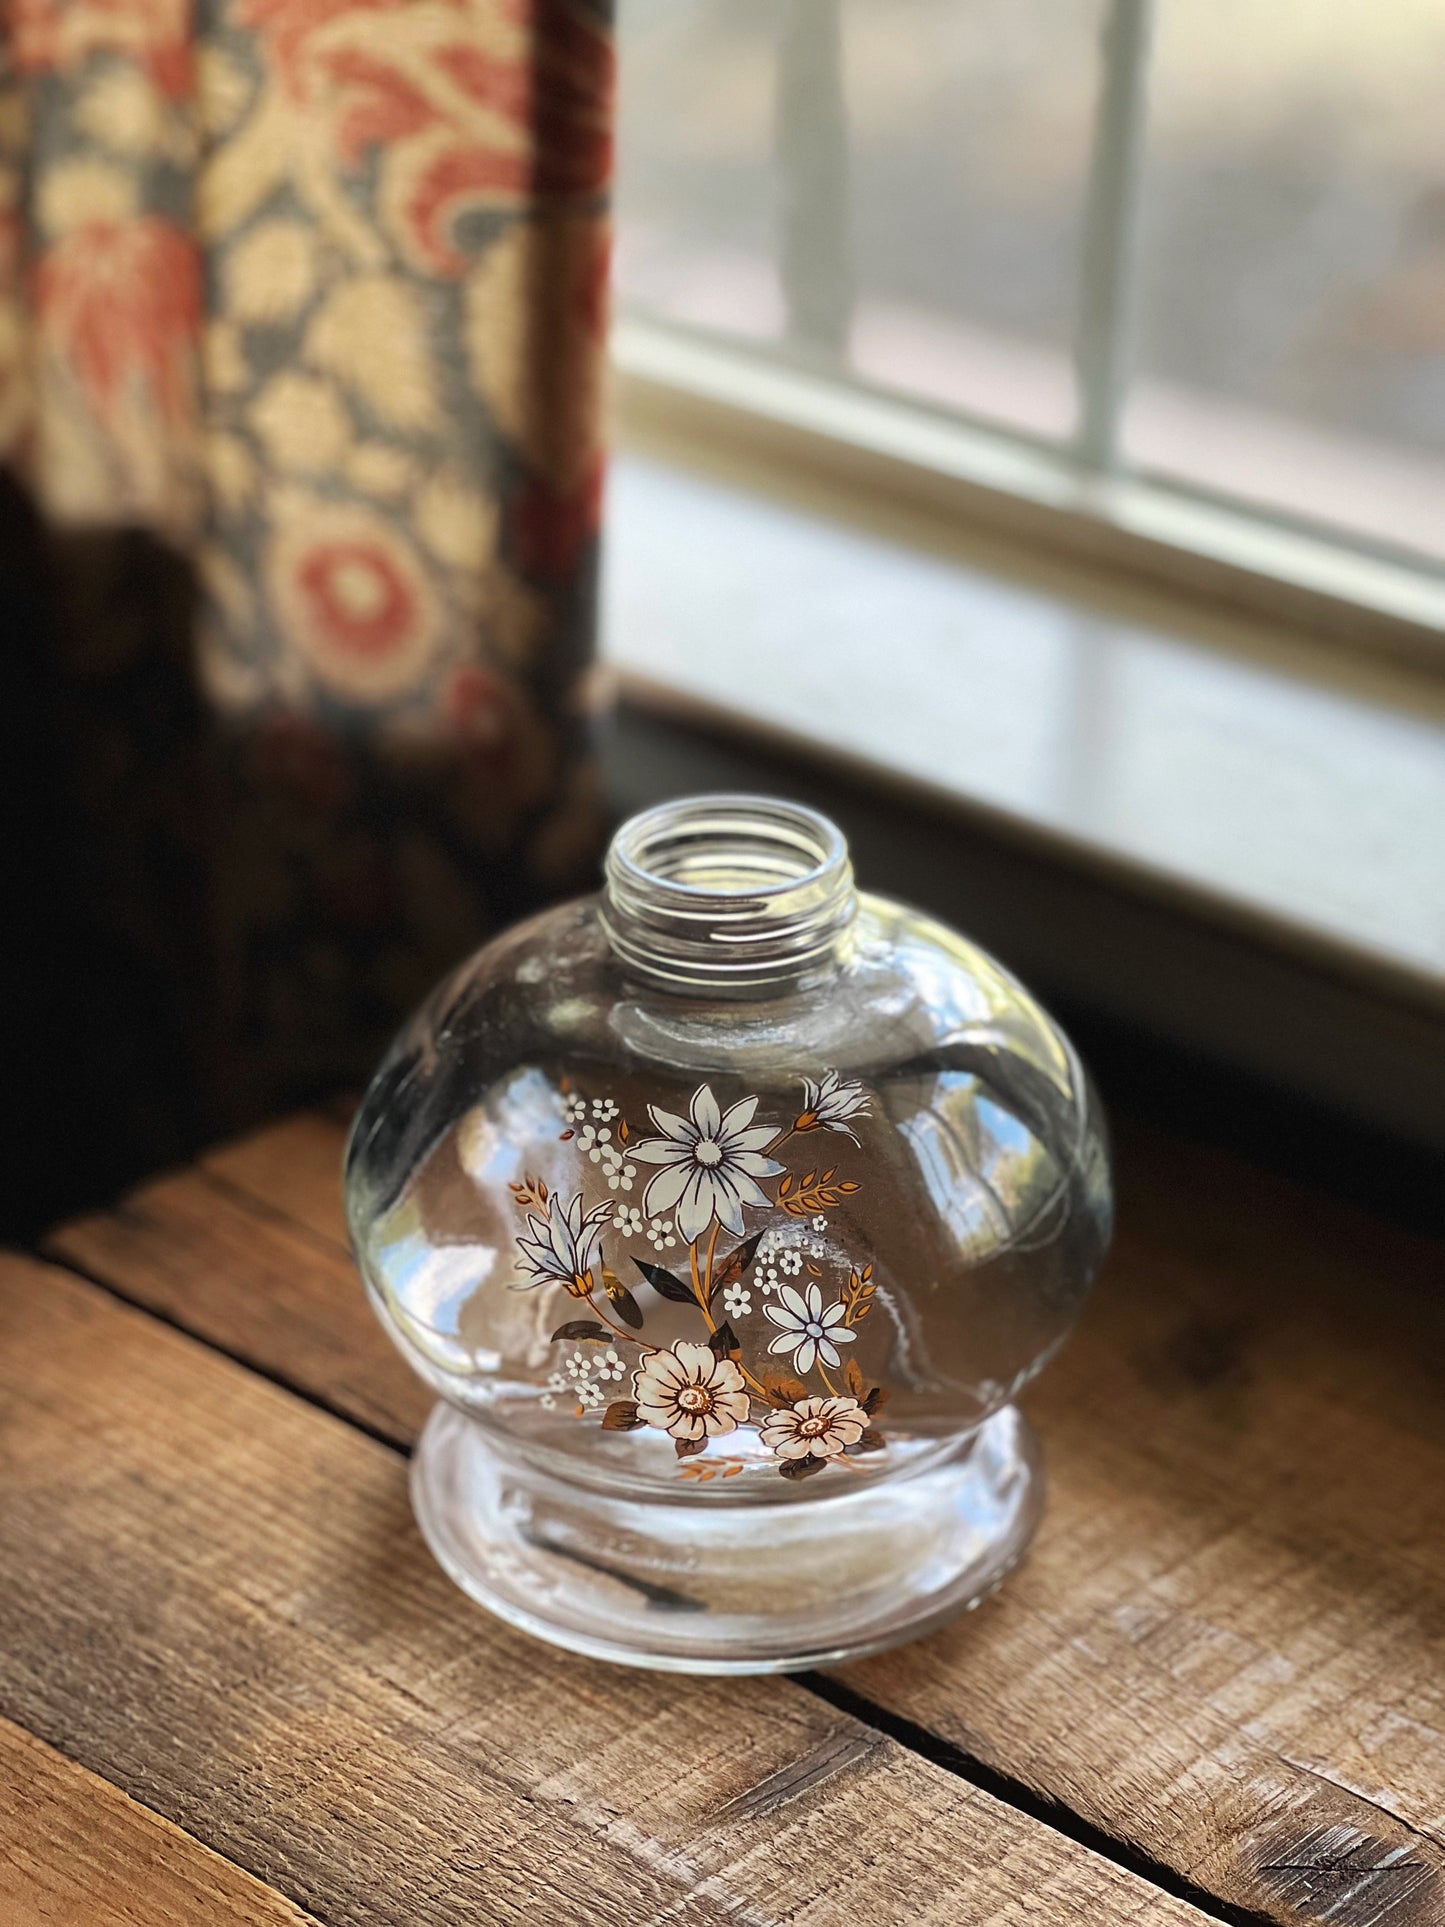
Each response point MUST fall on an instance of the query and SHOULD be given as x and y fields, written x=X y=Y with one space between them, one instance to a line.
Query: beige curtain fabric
x=301 y=317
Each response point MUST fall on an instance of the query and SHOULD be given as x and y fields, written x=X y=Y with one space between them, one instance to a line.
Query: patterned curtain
x=301 y=311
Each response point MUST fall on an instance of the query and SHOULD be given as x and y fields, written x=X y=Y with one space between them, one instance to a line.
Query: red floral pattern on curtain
x=311 y=294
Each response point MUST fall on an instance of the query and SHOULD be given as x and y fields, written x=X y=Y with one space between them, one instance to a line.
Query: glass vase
x=727 y=1212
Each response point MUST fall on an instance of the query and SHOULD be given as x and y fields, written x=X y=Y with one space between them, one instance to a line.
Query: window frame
x=1077 y=497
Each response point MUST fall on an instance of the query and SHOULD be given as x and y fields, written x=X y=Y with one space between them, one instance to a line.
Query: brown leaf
x=854 y=1379
x=622 y=1131
x=565 y=1135
x=871 y=1441
x=628 y=1309
x=847 y=1187
x=736 y=1262
x=723 y=1341
x=808 y=1180
x=621 y=1416
x=583 y=1328
x=685 y=1448
x=782 y=1390
x=665 y=1285
x=875 y=1400
x=814 y=1271
x=801 y=1468
x=785 y=1187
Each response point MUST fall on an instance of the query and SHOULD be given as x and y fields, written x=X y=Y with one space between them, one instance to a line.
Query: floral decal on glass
x=778 y=1309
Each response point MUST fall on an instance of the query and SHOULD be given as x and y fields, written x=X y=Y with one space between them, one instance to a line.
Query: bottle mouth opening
x=728 y=892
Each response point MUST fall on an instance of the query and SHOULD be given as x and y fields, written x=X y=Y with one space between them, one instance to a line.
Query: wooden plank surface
x=255 y=1273
x=75 y=1852
x=1227 y=1650
x=214 y=1596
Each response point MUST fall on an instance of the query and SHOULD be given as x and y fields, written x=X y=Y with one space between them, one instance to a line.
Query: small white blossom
x=766 y=1278
x=549 y=1404
x=627 y=1219
x=557 y=1382
x=737 y=1301
x=820 y=1223
x=791 y=1262
x=609 y=1365
x=620 y=1176
x=659 y=1234
x=574 y=1108
x=594 y=1142
x=579 y=1365
x=603 y=1109
x=590 y=1395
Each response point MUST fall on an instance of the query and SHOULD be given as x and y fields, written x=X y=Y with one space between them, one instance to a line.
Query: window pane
x=696 y=219
x=971 y=133
x=917 y=220
x=1292 y=346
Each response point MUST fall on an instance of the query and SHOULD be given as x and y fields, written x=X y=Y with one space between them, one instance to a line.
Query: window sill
x=1275 y=801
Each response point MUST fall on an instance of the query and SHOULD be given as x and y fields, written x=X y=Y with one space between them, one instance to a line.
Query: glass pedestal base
x=708 y=1587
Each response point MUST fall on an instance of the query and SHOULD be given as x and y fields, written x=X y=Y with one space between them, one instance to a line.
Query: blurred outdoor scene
x=897 y=188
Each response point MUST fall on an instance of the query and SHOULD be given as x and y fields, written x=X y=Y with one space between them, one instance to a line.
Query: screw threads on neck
x=728 y=895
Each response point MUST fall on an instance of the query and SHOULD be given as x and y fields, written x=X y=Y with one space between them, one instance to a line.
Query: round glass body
x=731 y=1189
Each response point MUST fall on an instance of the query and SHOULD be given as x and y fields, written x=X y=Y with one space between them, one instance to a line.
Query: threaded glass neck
x=728 y=895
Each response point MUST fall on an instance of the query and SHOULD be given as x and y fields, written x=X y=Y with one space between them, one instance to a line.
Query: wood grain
x=1227 y=1650
x=214 y=1596
x=75 y=1852
x=252 y=1272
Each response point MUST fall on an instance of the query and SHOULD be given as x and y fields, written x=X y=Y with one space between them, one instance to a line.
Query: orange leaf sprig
x=816 y=1191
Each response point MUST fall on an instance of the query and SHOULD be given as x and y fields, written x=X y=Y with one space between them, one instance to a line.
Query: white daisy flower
x=791 y=1262
x=603 y=1109
x=828 y=1104
x=627 y=1219
x=609 y=1365
x=808 y=1331
x=737 y=1301
x=711 y=1161
x=659 y=1234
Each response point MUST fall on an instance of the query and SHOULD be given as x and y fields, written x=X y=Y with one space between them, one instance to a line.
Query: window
x=1189 y=252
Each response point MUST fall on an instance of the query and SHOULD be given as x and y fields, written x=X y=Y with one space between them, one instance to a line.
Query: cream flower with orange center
x=690 y=1393
x=818 y=1428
